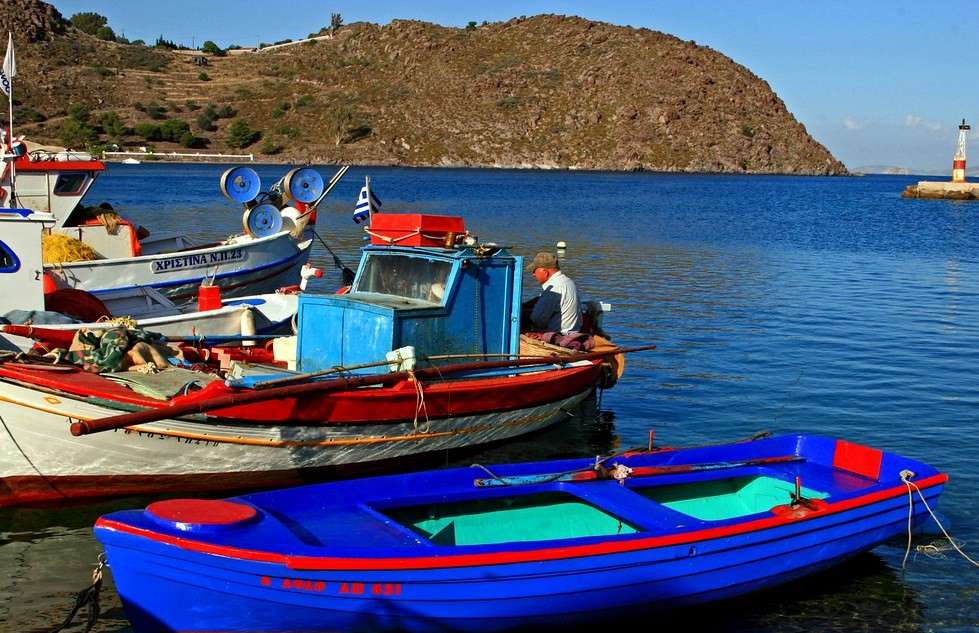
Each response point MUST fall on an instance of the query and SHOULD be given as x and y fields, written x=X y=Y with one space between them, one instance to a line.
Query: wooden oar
x=592 y=474
x=83 y=427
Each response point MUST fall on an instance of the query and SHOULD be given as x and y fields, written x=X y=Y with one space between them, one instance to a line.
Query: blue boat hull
x=165 y=587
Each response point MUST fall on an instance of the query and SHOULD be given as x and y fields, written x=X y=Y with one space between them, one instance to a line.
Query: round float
x=241 y=184
x=303 y=184
x=262 y=221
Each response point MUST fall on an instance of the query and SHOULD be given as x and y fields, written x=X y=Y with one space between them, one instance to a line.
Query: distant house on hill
x=199 y=60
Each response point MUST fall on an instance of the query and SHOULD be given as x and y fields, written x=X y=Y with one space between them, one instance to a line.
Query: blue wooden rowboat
x=516 y=545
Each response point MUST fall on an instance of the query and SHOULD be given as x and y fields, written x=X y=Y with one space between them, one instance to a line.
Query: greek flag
x=9 y=66
x=367 y=203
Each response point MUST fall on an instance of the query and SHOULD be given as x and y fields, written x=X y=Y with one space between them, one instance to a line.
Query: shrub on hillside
x=173 y=130
x=79 y=112
x=193 y=142
x=113 y=125
x=211 y=48
x=155 y=111
x=88 y=22
x=240 y=134
x=149 y=131
x=269 y=147
x=106 y=33
x=75 y=134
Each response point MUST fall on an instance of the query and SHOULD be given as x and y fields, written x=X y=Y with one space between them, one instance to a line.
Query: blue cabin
x=455 y=300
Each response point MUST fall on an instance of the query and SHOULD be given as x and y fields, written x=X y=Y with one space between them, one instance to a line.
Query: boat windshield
x=405 y=276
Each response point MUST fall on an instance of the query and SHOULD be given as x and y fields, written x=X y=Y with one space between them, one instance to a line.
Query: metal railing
x=194 y=155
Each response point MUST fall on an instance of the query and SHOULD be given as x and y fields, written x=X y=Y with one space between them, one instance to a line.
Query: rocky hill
x=546 y=91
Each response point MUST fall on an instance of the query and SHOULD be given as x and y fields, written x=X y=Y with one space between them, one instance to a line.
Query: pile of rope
x=57 y=249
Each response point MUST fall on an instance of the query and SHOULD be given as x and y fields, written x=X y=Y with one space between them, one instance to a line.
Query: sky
x=877 y=83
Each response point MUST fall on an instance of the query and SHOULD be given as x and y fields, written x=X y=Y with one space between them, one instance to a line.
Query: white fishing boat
x=22 y=284
x=267 y=255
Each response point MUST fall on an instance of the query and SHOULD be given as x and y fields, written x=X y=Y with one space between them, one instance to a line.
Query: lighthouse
x=958 y=162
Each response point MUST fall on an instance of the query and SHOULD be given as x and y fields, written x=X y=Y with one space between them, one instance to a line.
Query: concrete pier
x=946 y=190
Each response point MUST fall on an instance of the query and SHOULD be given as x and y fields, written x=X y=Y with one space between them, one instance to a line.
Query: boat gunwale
x=429 y=560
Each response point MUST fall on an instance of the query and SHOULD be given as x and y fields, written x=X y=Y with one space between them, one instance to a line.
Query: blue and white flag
x=9 y=66
x=367 y=203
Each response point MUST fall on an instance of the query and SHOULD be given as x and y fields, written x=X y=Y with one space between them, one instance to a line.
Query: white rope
x=906 y=478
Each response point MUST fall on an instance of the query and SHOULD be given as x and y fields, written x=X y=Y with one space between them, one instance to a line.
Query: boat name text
x=197 y=260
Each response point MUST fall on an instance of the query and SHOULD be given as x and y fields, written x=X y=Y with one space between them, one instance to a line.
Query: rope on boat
x=419 y=403
x=88 y=596
x=906 y=476
x=937 y=548
x=40 y=474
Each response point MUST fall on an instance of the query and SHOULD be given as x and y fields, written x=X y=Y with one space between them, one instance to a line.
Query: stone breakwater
x=942 y=190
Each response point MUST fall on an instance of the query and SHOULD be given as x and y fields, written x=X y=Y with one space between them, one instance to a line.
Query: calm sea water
x=821 y=305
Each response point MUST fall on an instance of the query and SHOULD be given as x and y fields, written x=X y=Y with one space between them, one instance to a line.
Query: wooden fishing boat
x=422 y=355
x=265 y=257
x=513 y=546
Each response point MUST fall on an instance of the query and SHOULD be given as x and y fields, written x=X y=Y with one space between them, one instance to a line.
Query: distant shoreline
x=542 y=168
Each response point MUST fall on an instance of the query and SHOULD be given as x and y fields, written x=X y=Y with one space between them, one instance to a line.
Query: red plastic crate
x=413 y=229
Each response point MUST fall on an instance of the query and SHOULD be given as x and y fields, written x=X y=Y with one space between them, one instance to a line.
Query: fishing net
x=57 y=249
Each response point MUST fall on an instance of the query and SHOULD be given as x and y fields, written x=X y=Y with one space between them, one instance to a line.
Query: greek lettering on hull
x=197 y=260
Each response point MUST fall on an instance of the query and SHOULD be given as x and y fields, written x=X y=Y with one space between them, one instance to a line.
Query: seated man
x=557 y=308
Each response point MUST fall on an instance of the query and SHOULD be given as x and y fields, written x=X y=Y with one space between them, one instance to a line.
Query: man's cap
x=543 y=259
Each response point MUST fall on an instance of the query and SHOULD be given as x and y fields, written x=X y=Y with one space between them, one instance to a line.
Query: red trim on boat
x=331 y=563
x=393 y=404
x=26 y=164
x=857 y=459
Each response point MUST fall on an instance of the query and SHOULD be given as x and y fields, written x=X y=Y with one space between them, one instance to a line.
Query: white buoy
x=562 y=245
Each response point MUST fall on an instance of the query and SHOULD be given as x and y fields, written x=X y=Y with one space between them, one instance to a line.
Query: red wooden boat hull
x=255 y=445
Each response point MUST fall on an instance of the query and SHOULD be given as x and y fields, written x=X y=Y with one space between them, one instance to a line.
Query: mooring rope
x=90 y=596
x=906 y=476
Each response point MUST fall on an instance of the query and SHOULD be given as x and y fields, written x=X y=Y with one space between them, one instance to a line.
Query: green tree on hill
x=106 y=33
x=113 y=125
x=88 y=22
x=75 y=134
x=174 y=130
x=211 y=48
x=240 y=134
x=79 y=112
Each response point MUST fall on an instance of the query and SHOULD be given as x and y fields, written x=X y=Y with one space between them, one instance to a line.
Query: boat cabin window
x=536 y=517
x=9 y=263
x=68 y=184
x=405 y=276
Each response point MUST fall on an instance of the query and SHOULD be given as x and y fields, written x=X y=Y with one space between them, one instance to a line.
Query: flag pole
x=10 y=139
x=370 y=206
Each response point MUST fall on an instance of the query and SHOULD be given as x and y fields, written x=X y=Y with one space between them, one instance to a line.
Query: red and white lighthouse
x=958 y=162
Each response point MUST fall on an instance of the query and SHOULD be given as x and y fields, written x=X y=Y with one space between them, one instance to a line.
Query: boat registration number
x=197 y=260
